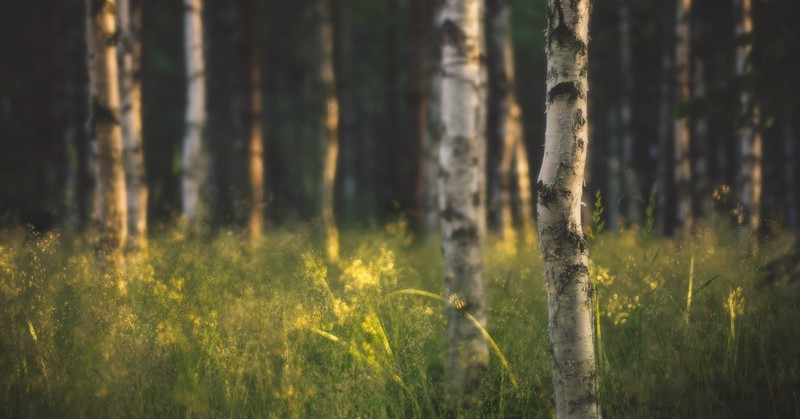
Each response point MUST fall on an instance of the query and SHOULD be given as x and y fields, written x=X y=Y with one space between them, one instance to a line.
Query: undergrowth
x=214 y=327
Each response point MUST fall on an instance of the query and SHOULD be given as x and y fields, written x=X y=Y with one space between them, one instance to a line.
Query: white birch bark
x=330 y=129
x=105 y=126
x=681 y=134
x=129 y=16
x=194 y=159
x=461 y=197
x=560 y=183
x=750 y=147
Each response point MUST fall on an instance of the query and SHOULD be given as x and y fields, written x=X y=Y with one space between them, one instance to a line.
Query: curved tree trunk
x=252 y=108
x=330 y=129
x=129 y=13
x=560 y=184
x=681 y=134
x=749 y=179
x=195 y=160
x=105 y=126
x=461 y=196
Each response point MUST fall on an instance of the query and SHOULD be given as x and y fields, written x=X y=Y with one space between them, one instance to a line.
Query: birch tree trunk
x=330 y=129
x=195 y=161
x=630 y=186
x=252 y=109
x=104 y=121
x=661 y=154
x=560 y=183
x=461 y=197
x=523 y=177
x=129 y=14
x=681 y=134
x=749 y=179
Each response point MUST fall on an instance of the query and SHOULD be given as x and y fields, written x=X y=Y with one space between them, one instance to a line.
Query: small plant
x=596 y=228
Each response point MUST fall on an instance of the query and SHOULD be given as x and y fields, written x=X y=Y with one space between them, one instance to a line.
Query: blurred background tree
x=45 y=178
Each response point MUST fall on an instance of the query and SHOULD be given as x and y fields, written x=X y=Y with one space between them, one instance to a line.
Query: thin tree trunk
x=330 y=129
x=749 y=179
x=461 y=198
x=505 y=128
x=252 y=108
x=661 y=154
x=681 y=134
x=612 y=197
x=702 y=183
x=105 y=126
x=129 y=13
x=195 y=160
x=789 y=174
x=522 y=169
x=560 y=184
x=630 y=186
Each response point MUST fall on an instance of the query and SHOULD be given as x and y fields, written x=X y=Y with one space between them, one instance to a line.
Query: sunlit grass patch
x=217 y=327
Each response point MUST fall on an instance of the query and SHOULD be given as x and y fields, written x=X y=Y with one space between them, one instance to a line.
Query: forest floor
x=214 y=327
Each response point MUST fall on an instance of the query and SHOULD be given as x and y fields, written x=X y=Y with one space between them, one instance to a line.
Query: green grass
x=215 y=328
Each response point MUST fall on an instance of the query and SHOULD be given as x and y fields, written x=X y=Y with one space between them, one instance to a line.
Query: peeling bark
x=560 y=184
x=461 y=196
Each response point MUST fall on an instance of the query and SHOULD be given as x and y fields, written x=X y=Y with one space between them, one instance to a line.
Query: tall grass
x=213 y=327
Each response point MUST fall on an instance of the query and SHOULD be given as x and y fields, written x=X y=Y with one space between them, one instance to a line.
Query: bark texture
x=252 y=108
x=461 y=196
x=682 y=163
x=329 y=127
x=569 y=290
x=195 y=160
x=129 y=13
x=750 y=148
x=105 y=125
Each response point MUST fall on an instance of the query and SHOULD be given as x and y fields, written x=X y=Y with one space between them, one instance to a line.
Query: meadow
x=213 y=327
